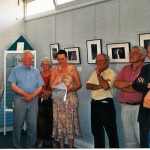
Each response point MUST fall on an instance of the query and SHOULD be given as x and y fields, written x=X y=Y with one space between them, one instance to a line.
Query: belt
x=132 y=103
x=104 y=101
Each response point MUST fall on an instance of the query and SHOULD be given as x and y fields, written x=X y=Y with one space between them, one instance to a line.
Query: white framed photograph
x=118 y=52
x=53 y=52
x=20 y=46
x=94 y=47
x=144 y=41
x=73 y=54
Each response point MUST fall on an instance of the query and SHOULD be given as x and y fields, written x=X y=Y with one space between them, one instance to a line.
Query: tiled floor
x=6 y=142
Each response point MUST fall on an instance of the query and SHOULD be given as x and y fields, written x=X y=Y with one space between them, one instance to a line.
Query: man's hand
x=28 y=97
x=141 y=80
x=100 y=68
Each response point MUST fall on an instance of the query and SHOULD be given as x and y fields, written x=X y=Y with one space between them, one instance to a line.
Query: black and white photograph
x=144 y=41
x=118 y=52
x=53 y=52
x=94 y=47
x=73 y=54
x=94 y=50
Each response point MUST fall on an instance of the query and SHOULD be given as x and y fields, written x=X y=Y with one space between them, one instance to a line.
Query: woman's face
x=61 y=59
x=45 y=65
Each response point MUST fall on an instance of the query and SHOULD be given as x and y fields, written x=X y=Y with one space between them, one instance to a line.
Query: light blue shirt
x=28 y=79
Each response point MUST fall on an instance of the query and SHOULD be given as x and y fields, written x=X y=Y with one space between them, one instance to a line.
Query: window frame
x=72 y=5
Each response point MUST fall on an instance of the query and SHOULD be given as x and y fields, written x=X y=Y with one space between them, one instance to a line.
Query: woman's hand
x=69 y=89
x=46 y=94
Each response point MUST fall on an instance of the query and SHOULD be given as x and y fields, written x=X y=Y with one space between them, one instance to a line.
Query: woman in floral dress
x=65 y=113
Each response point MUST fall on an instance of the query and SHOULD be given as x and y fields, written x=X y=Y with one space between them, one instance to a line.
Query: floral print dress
x=65 y=113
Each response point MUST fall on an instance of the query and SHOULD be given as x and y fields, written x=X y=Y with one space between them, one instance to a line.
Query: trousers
x=103 y=118
x=22 y=112
x=129 y=116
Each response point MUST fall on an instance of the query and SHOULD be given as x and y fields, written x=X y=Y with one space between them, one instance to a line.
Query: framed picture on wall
x=144 y=41
x=118 y=52
x=53 y=52
x=20 y=46
x=94 y=47
x=73 y=54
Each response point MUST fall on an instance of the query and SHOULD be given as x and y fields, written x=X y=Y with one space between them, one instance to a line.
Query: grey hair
x=142 y=50
x=106 y=56
x=47 y=59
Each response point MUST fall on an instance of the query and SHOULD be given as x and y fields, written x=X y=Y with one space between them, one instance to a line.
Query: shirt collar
x=137 y=67
x=26 y=68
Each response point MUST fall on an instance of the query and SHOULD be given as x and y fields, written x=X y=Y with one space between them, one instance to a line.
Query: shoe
x=54 y=143
x=40 y=145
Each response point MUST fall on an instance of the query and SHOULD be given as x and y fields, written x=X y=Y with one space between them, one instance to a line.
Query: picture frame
x=20 y=46
x=144 y=41
x=118 y=52
x=73 y=54
x=94 y=47
x=53 y=52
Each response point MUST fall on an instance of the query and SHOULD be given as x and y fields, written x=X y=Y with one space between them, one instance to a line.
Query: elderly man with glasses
x=129 y=98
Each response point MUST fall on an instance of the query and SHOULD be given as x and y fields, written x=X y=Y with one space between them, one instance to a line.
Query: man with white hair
x=26 y=82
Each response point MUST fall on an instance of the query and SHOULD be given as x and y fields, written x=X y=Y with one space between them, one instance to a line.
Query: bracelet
x=98 y=75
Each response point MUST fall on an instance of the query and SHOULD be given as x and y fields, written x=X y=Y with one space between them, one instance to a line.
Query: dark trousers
x=144 y=130
x=103 y=117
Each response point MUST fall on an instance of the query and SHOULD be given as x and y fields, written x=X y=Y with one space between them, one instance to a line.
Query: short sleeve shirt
x=100 y=94
x=28 y=79
x=128 y=74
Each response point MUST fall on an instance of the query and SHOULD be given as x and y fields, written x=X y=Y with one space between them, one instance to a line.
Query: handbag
x=146 y=102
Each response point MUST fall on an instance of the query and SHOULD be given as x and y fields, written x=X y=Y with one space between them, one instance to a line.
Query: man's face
x=148 y=52
x=27 y=59
x=101 y=61
x=135 y=55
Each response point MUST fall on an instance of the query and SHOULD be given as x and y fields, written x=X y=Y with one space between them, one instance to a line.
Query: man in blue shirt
x=27 y=83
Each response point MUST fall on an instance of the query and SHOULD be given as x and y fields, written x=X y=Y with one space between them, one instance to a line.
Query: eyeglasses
x=134 y=53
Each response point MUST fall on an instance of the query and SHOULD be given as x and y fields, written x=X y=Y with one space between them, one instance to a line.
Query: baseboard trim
x=79 y=143
x=7 y=129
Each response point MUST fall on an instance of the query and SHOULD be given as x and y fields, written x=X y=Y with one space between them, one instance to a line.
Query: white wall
x=113 y=21
x=11 y=25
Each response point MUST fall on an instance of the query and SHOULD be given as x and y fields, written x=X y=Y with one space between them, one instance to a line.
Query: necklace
x=62 y=68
